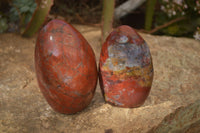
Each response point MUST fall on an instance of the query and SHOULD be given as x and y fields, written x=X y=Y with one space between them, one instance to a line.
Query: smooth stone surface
x=65 y=67
x=23 y=108
x=125 y=68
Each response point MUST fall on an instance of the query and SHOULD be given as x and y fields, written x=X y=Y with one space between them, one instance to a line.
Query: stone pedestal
x=176 y=84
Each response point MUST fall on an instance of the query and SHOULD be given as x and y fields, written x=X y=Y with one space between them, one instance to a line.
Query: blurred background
x=160 y=17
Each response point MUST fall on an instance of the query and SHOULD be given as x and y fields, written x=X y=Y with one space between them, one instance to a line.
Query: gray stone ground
x=24 y=110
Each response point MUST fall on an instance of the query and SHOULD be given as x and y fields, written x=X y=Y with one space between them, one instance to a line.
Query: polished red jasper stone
x=126 y=69
x=65 y=67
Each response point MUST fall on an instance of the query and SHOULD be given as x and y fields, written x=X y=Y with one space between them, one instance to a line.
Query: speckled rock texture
x=125 y=68
x=176 y=83
x=65 y=67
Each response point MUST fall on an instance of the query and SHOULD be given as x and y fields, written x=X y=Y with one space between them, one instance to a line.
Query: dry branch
x=127 y=7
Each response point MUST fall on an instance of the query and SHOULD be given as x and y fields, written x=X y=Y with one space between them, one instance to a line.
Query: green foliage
x=21 y=11
x=3 y=24
x=173 y=9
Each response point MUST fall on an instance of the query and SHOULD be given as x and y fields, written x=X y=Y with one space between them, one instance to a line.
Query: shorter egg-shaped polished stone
x=65 y=67
x=126 y=68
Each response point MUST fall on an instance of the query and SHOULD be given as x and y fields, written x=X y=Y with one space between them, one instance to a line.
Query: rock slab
x=23 y=108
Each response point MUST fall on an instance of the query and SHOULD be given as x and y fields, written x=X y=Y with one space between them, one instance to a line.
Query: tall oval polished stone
x=65 y=67
x=126 y=68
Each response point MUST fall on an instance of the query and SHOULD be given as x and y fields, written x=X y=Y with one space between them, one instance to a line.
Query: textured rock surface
x=24 y=109
x=183 y=120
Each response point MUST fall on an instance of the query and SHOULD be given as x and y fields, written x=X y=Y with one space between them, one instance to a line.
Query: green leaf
x=24 y=9
x=3 y=25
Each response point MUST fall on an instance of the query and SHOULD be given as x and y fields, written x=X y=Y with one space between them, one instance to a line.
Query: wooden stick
x=107 y=18
x=127 y=7
x=164 y=25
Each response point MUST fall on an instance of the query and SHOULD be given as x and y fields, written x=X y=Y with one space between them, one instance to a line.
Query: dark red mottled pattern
x=65 y=67
x=121 y=87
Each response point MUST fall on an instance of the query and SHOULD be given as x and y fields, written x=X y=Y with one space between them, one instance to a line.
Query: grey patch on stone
x=114 y=101
x=45 y=28
x=116 y=96
x=127 y=55
x=122 y=39
x=131 y=92
x=67 y=78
